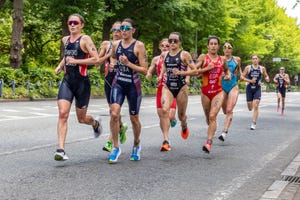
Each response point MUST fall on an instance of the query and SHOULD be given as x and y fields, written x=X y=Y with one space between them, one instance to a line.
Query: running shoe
x=253 y=126
x=165 y=146
x=282 y=111
x=136 y=153
x=222 y=136
x=97 y=128
x=207 y=147
x=108 y=146
x=123 y=133
x=60 y=155
x=185 y=133
x=114 y=155
x=173 y=123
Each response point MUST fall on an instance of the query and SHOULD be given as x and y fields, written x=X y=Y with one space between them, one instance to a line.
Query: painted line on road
x=74 y=141
x=10 y=110
x=46 y=146
x=42 y=114
x=41 y=147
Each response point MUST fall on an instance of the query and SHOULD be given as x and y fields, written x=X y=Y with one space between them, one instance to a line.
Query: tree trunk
x=16 y=45
x=156 y=50
x=64 y=32
x=106 y=29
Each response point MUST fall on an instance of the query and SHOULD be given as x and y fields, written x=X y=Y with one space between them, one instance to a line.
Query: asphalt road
x=242 y=167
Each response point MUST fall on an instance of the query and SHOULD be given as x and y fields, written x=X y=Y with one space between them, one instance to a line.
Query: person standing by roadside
x=156 y=64
x=231 y=87
x=110 y=72
x=131 y=60
x=252 y=74
x=79 y=52
x=281 y=79
x=176 y=65
x=212 y=93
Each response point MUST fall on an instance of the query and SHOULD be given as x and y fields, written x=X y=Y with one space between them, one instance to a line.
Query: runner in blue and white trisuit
x=131 y=59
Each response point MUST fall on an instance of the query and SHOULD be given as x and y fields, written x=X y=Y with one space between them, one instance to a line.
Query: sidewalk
x=288 y=188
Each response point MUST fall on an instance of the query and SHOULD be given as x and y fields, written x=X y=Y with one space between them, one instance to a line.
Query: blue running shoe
x=114 y=155
x=173 y=123
x=136 y=153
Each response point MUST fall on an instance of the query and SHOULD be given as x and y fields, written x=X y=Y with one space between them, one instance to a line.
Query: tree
x=16 y=45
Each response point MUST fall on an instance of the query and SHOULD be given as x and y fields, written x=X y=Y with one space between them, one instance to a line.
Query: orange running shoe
x=165 y=146
x=207 y=147
x=185 y=133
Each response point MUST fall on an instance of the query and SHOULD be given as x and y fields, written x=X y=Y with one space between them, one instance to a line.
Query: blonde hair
x=164 y=40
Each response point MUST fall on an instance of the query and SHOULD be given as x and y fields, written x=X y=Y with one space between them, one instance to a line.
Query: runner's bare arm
x=102 y=52
x=227 y=75
x=140 y=52
x=245 y=73
x=266 y=76
x=152 y=67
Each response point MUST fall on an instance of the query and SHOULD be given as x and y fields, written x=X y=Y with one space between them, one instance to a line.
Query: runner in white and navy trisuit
x=253 y=75
x=131 y=59
x=109 y=75
x=177 y=65
x=281 y=79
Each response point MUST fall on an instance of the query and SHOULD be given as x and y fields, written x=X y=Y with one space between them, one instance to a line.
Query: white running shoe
x=60 y=155
x=253 y=126
x=222 y=136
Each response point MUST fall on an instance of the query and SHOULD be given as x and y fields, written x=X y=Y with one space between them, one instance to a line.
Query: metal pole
x=196 y=39
x=13 y=85
x=1 y=86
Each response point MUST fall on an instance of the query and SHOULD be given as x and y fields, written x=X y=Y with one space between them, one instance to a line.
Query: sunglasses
x=125 y=28
x=115 y=30
x=164 y=46
x=170 y=40
x=74 y=22
x=227 y=47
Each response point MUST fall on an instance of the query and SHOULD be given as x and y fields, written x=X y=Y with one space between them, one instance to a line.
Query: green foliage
x=5 y=35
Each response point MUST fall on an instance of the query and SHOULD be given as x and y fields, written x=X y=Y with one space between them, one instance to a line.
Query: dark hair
x=213 y=37
x=179 y=35
x=130 y=21
x=79 y=16
x=229 y=42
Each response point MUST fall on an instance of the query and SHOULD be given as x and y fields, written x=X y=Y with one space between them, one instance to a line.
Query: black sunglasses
x=170 y=40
